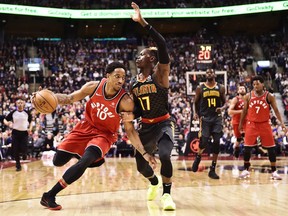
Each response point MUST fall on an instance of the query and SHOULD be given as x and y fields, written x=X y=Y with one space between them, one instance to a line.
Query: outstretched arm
x=80 y=94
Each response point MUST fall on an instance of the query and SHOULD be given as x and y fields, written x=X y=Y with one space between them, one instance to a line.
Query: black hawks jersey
x=210 y=100
x=152 y=99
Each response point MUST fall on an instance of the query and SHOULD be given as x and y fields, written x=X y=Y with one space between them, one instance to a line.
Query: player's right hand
x=151 y=159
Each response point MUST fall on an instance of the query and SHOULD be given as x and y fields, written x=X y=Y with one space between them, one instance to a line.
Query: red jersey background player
x=257 y=108
x=92 y=138
x=235 y=110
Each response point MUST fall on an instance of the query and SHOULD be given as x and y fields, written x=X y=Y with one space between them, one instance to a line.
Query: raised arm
x=162 y=69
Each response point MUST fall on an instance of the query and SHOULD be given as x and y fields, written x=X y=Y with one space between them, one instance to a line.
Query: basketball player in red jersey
x=235 y=110
x=92 y=138
x=257 y=108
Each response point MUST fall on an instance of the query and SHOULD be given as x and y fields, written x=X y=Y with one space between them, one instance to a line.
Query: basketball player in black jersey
x=150 y=93
x=209 y=102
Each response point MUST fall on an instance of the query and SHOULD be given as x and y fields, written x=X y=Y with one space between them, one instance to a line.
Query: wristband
x=144 y=153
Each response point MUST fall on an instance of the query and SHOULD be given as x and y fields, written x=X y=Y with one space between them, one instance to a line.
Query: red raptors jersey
x=101 y=112
x=239 y=106
x=258 y=108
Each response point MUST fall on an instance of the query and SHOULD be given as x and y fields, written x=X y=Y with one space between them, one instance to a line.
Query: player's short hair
x=153 y=52
x=112 y=66
x=257 y=78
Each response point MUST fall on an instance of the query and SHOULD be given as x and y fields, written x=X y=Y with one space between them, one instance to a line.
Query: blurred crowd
x=71 y=63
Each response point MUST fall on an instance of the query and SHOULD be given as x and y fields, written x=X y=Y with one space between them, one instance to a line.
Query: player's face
x=241 y=90
x=143 y=58
x=210 y=75
x=258 y=86
x=117 y=78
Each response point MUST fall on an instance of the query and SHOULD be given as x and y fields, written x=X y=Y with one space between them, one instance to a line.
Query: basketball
x=45 y=101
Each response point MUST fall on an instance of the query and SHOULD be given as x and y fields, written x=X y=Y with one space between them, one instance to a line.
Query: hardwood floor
x=116 y=188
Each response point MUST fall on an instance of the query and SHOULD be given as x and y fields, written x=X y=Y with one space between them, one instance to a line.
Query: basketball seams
x=39 y=108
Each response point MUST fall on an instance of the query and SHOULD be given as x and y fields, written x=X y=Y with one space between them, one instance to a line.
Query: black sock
x=273 y=168
x=213 y=165
x=60 y=185
x=246 y=165
x=167 y=188
x=154 y=180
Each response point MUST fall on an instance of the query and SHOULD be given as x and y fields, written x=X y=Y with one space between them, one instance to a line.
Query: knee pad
x=272 y=154
x=57 y=161
x=247 y=153
x=203 y=142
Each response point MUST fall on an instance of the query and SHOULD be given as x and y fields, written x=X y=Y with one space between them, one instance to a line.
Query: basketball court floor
x=117 y=189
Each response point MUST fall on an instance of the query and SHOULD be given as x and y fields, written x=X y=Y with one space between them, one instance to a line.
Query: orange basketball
x=45 y=101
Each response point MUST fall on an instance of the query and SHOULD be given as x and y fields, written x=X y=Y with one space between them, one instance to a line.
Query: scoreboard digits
x=204 y=53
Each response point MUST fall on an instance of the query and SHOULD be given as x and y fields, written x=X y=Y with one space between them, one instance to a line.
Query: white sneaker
x=153 y=190
x=167 y=202
x=276 y=176
x=244 y=174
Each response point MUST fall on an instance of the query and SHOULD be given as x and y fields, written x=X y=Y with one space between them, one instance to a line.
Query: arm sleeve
x=163 y=56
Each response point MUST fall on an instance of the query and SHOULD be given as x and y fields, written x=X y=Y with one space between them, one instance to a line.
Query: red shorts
x=84 y=135
x=261 y=129
x=237 y=133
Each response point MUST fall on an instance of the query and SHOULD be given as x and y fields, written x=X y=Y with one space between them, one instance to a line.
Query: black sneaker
x=19 y=168
x=212 y=174
x=49 y=202
x=196 y=163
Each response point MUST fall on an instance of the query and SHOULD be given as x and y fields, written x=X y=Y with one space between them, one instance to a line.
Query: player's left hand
x=137 y=15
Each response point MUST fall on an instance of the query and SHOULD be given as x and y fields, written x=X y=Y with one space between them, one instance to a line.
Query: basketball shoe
x=196 y=163
x=167 y=202
x=49 y=202
x=244 y=174
x=212 y=174
x=153 y=190
x=276 y=176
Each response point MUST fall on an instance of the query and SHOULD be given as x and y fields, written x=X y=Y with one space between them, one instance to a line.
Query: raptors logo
x=194 y=145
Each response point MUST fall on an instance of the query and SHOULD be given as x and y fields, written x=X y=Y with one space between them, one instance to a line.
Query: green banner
x=147 y=13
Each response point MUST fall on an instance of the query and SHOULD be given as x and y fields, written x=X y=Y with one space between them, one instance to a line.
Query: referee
x=19 y=119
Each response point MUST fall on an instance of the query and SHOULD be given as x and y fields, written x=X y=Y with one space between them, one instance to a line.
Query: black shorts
x=150 y=134
x=210 y=126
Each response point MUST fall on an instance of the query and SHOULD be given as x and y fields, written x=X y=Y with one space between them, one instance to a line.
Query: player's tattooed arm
x=64 y=99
